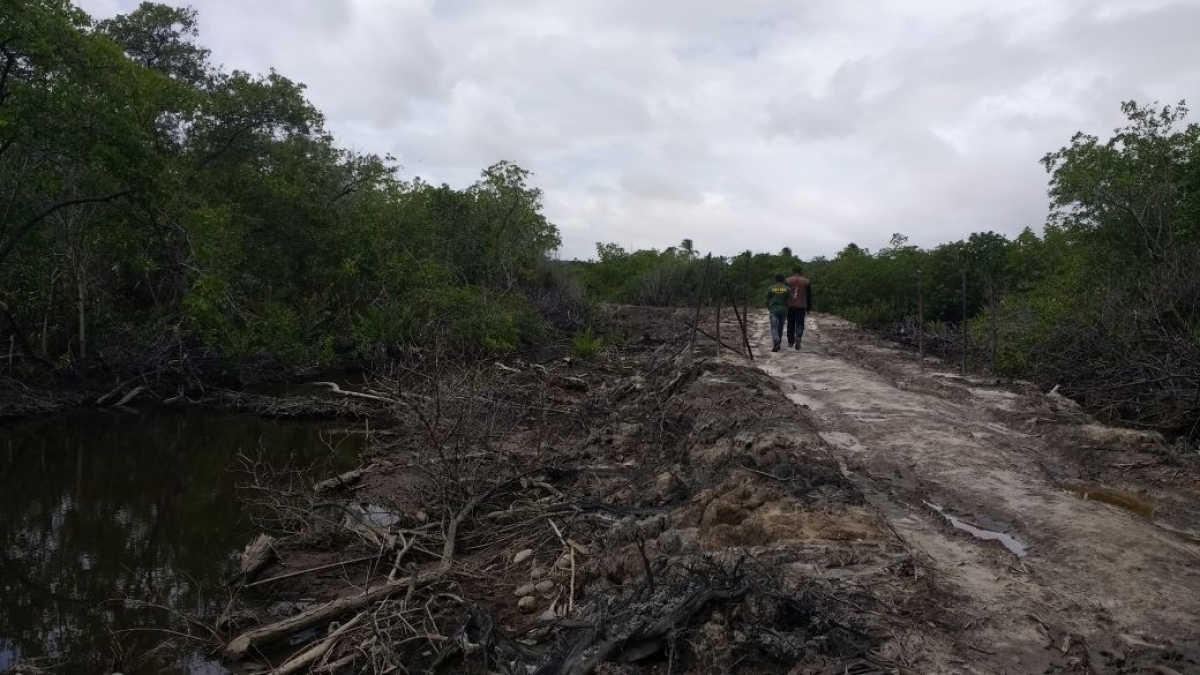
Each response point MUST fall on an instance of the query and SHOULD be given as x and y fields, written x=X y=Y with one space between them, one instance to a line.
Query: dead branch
x=318 y=650
x=131 y=395
x=309 y=570
x=241 y=645
x=336 y=389
x=714 y=339
x=120 y=387
x=343 y=480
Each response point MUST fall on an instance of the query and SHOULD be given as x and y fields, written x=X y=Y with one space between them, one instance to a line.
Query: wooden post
x=920 y=321
x=700 y=301
x=995 y=310
x=720 y=274
x=746 y=307
x=741 y=325
x=964 y=320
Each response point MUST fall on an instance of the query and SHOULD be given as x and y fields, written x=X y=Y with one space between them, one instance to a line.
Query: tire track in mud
x=1099 y=590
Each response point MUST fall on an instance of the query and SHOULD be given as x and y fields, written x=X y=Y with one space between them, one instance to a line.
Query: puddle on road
x=1004 y=400
x=1015 y=547
x=801 y=399
x=993 y=393
x=843 y=441
x=1122 y=499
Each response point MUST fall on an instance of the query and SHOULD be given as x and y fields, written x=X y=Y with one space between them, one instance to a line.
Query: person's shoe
x=790 y=344
x=775 y=348
x=797 y=345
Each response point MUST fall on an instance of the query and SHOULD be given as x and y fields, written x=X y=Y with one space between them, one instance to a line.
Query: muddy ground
x=1106 y=521
x=663 y=509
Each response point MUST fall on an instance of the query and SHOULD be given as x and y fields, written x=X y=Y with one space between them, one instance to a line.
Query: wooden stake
x=720 y=273
x=746 y=308
x=964 y=320
x=920 y=321
x=742 y=326
x=994 y=320
x=700 y=300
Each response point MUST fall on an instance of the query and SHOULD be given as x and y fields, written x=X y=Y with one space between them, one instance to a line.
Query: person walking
x=777 y=304
x=798 y=306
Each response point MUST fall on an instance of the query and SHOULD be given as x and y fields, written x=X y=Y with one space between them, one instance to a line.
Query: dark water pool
x=102 y=511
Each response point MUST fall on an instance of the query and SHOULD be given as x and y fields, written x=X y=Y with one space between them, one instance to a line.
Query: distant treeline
x=678 y=276
x=149 y=197
x=1104 y=302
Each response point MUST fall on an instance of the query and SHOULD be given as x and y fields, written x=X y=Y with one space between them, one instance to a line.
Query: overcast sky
x=736 y=123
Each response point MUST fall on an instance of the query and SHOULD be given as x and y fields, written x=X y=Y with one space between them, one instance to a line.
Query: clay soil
x=665 y=509
x=1109 y=518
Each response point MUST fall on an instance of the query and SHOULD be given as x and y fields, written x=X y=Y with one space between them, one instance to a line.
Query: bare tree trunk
x=741 y=321
x=11 y=240
x=920 y=320
x=48 y=310
x=995 y=308
x=19 y=334
x=82 y=295
x=746 y=308
x=720 y=301
x=700 y=301
x=964 y=320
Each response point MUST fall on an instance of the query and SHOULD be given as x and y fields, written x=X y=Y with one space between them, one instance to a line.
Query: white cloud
x=759 y=124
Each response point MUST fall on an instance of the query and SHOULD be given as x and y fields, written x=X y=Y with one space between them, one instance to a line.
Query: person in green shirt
x=777 y=304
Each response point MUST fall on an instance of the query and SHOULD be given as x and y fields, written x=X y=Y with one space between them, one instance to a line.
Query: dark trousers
x=777 y=322
x=795 y=324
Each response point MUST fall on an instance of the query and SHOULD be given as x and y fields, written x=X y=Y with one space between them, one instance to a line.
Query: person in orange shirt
x=799 y=305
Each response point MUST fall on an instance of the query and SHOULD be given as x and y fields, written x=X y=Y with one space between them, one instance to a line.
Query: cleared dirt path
x=1071 y=586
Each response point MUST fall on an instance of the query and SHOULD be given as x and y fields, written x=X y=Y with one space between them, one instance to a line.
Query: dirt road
x=1049 y=581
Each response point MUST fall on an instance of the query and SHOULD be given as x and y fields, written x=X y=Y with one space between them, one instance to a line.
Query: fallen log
x=120 y=387
x=238 y=647
x=342 y=480
x=309 y=570
x=315 y=652
x=335 y=388
x=131 y=395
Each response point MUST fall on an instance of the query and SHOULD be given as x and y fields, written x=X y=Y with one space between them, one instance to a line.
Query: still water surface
x=103 y=510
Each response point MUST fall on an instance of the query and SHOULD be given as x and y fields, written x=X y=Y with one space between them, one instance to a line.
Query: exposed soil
x=654 y=510
x=662 y=509
x=1110 y=517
